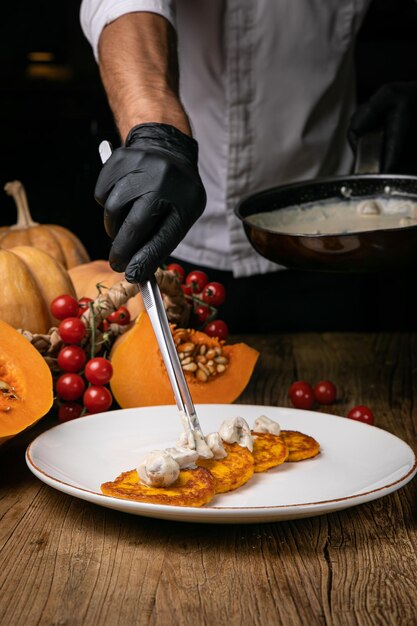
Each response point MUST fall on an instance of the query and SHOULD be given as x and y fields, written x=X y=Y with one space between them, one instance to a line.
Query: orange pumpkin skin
x=55 y=240
x=25 y=372
x=139 y=376
x=59 y=242
x=31 y=279
x=86 y=277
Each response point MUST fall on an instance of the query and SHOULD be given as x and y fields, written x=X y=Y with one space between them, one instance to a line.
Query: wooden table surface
x=64 y=561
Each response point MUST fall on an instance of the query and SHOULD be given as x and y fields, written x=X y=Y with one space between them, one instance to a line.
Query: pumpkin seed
x=190 y=367
x=8 y=391
x=204 y=369
x=201 y=376
x=204 y=361
x=186 y=347
x=221 y=359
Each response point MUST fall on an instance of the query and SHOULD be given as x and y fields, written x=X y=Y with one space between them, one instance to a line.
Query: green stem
x=93 y=330
x=211 y=308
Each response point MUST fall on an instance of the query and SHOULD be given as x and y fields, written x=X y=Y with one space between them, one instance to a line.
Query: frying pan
x=366 y=251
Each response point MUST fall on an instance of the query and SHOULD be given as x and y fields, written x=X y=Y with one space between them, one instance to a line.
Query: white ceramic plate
x=357 y=463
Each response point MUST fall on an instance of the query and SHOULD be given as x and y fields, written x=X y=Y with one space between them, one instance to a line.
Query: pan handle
x=368 y=153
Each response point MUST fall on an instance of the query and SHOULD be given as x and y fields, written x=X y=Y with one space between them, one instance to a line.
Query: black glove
x=393 y=109
x=152 y=194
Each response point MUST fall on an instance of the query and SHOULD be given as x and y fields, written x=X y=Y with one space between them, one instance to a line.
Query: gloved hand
x=152 y=194
x=393 y=109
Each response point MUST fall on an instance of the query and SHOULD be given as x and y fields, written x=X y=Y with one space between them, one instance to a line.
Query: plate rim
x=207 y=510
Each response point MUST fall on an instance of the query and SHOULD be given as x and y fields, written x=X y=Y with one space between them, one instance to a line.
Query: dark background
x=51 y=125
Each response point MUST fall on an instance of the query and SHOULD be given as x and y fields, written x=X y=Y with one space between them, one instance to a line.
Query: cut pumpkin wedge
x=140 y=379
x=26 y=388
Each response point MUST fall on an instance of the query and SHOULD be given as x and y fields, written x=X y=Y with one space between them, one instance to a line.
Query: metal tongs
x=155 y=308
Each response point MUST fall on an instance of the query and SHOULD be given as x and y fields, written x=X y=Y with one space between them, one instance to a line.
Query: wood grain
x=68 y=562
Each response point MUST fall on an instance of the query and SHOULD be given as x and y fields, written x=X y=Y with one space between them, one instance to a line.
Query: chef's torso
x=269 y=87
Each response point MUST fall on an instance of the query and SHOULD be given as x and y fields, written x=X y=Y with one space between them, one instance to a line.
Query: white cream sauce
x=236 y=430
x=161 y=468
x=214 y=442
x=158 y=469
x=339 y=217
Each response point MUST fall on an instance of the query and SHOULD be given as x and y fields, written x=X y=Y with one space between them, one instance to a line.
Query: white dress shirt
x=269 y=87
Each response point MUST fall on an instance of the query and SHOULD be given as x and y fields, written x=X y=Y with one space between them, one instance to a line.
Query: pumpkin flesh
x=140 y=379
x=26 y=388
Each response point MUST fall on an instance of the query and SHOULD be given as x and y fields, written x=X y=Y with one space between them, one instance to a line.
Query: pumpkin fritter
x=193 y=487
x=233 y=471
x=300 y=446
x=268 y=451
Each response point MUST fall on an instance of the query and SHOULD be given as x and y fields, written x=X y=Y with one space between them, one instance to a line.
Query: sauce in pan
x=339 y=217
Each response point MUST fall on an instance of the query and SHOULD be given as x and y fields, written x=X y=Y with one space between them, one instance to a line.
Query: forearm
x=139 y=69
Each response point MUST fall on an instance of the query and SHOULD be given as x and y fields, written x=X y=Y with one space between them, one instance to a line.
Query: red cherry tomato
x=97 y=398
x=121 y=316
x=83 y=305
x=178 y=270
x=187 y=290
x=197 y=280
x=361 y=413
x=214 y=294
x=201 y=313
x=103 y=326
x=217 y=328
x=71 y=358
x=301 y=395
x=325 y=392
x=64 y=306
x=69 y=411
x=98 y=371
x=70 y=386
x=72 y=330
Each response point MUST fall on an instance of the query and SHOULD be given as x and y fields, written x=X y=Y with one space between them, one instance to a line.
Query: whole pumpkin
x=56 y=240
x=26 y=389
x=30 y=280
x=88 y=276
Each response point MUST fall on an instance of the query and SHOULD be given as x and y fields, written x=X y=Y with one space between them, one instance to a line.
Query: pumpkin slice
x=26 y=391
x=193 y=487
x=233 y=471
x=268 y=451
x=300 y=446
x=139 y=375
